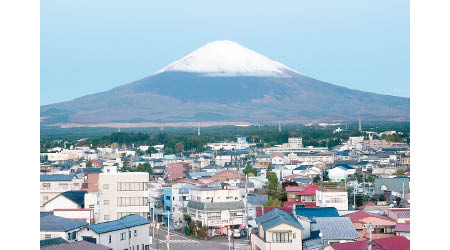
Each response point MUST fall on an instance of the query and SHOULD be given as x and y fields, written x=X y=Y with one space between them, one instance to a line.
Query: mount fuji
x=222 y=82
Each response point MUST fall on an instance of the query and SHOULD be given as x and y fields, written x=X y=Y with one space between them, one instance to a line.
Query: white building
x=129 y=232
x=336 y=199
x=122 y=194
x=52 y=185
x=340 y=172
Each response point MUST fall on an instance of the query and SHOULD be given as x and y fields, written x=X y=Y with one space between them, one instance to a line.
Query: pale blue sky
x=93 y=46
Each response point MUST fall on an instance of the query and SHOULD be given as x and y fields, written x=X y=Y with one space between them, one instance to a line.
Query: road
x=179 y=241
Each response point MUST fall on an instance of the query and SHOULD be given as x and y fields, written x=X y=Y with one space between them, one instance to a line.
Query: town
x=332 y=188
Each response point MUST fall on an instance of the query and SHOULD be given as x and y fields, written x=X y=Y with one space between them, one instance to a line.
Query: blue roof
x=302 y=167
x=56 y=223
x=128 y=221
x=315 y=212
x=57 y=177
x=344 y=166
x=196 y=175
x=276 y=217
x=75 y=196
x=212 y=166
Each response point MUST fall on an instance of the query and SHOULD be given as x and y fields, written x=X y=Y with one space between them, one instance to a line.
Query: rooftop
x=125 y=222
x=276 y=217
x=78 y=245
x=57 y=177
x=56 y=223
x=333 y=228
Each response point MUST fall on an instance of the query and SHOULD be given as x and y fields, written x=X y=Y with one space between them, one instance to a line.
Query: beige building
x=122 y=194
x=336 y=199
x=52 y=185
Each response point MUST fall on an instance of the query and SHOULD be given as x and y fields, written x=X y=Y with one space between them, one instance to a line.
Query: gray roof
x=78 y=245
x=216 y=206
x=276 y=217
x=336 y=228
x=52 y=241
x=257 y=199
x=56 y=223
x=392 y=184
x=57 y=177
x=128 y=221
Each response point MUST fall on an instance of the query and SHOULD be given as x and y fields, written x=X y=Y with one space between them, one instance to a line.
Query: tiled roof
x=402 y=227
x=124 y=222
x=317 y=212
x=293 y=188
x=56 y=223
x=79 y=245
x=263 y=210
x=390 y=243
x=57 y=177
x=292 y=203
x=276 y=217
x=402 y=213
x=309 y=190
x=336 y=228
x=356 y=216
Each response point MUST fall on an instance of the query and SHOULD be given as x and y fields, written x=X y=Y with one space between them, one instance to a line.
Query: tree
x=145 y=167
x=179 y=147
x=400 y=171
x=89 y=164
x=249 y=169
x=272 y=202
x=316 y=179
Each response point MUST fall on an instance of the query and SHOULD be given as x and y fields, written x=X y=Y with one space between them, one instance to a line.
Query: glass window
x=129 y=234
x=135 y=232
x=106 y=202
x=105 y=186
x=110 y=239
x=46 y=184
x=106 y=217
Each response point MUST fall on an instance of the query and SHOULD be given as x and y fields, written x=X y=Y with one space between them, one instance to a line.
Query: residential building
x=392 y=243
x=52 y=185
x=340 y=172
x=122 y=194
x=175 y=171
x=254 y=202
x=336 y=230
x=277 y=230
x=55 y=226
x=217 y=208
x=399 y=185
x=129 y=232
x=78 y=245
x=336 y=199
x=402 y=229
x=384 y=227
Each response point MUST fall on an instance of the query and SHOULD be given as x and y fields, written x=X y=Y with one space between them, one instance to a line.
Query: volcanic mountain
x=223 y=81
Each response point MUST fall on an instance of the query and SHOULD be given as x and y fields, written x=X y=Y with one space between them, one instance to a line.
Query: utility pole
x=354 y=196
x=369 y=228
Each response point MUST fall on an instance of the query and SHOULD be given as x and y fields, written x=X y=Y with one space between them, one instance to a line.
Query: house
x=158 y=171
x=336 y=230
x=254 y=202
x=392 y=243
x=384 y=227
x=227 y=175
x=175 y=200
x=54 y=226
x=336 y=199
x=52 y=241
x=217 y=208
x=129 y=232
x=340 y=172
x=307 y=196
x=78 y=245
x=402 y=229
x=175 y=171
x=398 y=185
x=307 y=217
x=54 y=184
x=68 y=199
x=292 y=192
x=277 y=230
x=400 y=215
x=121 y=194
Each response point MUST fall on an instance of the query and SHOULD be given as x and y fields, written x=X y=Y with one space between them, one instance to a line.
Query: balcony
x=262 y=244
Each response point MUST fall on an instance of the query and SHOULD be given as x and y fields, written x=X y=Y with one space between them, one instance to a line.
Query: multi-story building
x=52 y=185
x=122 y=194
x=336 y=199
x=174 y=171
x=176 y=199
x=217 y=208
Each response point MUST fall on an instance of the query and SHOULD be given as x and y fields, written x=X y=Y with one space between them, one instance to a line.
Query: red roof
x=391 y=243
x=309 y=190
x=367 y=205
x=356 y=216
x=402 y=227
x=293 y=188
x=260 y=212
x=291 y=203
x=290 y=176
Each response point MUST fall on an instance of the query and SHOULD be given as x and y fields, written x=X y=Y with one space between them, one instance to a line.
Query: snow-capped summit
x=227 y=58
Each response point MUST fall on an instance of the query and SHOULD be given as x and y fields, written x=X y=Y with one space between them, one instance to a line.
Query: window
x=129 y=234
x=46 y=184
x=167 y=197
x=91 y=206
x=137 y=247
x=106 y=217
x=109 y=239
x=105 y=186
x=74 y=235
x=48 y=236
x=75 y=184
x=45 y=198
x=63 y=185
x=282 y=237
x=135 y=234
x=123 y=236
x=106 y=202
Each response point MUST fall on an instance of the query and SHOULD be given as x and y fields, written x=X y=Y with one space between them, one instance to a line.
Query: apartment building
x=217 y=208
x=122 y=194
x=336 y=199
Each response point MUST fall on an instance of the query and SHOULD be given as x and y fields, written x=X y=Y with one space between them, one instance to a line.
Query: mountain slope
x=223 y=81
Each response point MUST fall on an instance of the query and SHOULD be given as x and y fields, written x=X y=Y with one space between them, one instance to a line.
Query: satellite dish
x=320 y=235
